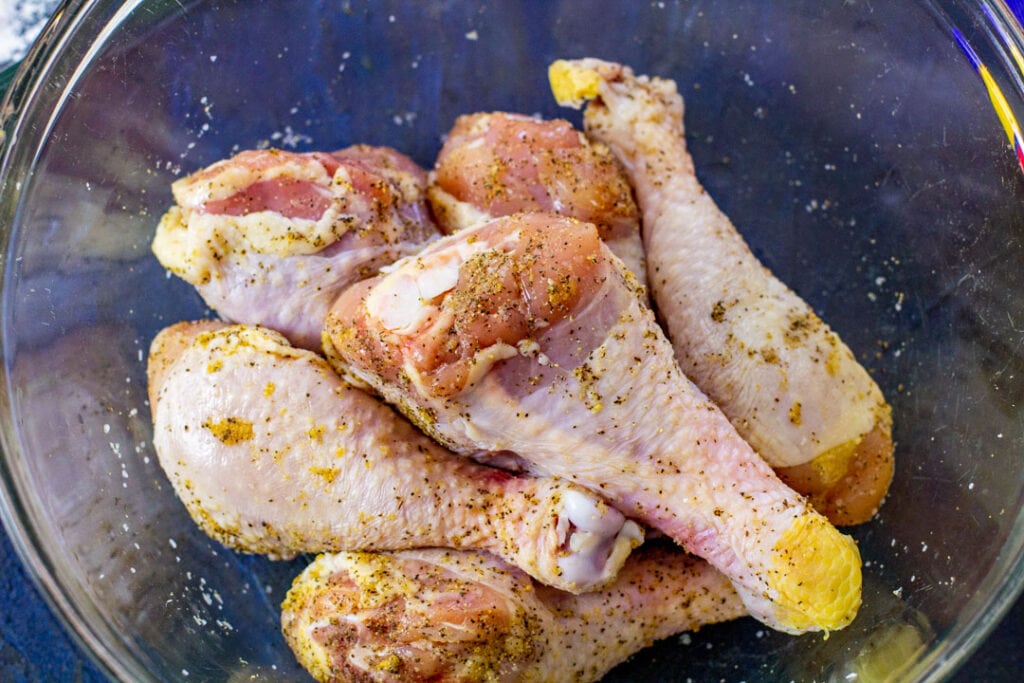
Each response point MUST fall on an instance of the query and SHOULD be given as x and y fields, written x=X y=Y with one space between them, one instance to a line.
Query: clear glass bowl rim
x=75 y=23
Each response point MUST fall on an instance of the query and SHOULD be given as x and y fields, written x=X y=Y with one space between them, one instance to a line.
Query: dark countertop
x=33 y=644
x=35 y=647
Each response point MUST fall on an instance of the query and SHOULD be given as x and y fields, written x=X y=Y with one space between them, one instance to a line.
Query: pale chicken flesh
x=496 y=164
x=446 y=616
x=526 y=335
x=791 y=387
x=271 y=452
x=270 y=237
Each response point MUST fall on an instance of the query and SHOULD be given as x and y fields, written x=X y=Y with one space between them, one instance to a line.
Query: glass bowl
x=854 y=144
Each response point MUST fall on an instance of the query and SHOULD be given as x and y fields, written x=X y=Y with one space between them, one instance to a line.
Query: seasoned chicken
x=498 y=164
x=784 y=378
x=271 y=237
x=273 y=453
x=526 y=335
x=445 y=616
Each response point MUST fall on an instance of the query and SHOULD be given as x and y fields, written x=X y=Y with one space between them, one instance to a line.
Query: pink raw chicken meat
x=496 y=164
x=270 y=237
x=440 y=616
x=272 y=453
x=789 y=384
x=526 y=335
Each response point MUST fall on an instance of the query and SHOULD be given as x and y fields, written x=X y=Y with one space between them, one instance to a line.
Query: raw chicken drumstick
x=784 y=378
x=271 y=237
x=526 y=335
x=273 y=453
x=442 y=616
x=498 y=164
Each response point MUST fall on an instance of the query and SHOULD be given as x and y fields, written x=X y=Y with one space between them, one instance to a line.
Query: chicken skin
x=784 y=378
x=526 y=335
x=271 y=452
x=445 y=616
x=270 y=237
x=496 y=164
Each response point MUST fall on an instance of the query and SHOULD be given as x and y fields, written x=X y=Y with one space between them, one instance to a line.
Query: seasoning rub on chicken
x=270 y=237
x=496 y=164
x=784 y=378
x=271 y=452
x=526 y=335
x=445 y=616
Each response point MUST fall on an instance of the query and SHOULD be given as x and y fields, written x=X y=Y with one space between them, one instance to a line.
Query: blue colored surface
x=33 y=644
x=35 y=648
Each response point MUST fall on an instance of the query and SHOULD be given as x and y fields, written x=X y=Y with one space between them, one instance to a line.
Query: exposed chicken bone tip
x=302 y=463
x=595 y=535
x=785 y=379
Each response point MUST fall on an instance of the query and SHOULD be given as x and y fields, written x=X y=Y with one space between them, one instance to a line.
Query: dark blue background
x=35 y=647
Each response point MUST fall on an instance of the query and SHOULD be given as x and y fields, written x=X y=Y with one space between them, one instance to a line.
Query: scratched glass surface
x=853 y=145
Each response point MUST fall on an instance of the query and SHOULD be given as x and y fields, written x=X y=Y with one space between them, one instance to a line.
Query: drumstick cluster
x=545 y=414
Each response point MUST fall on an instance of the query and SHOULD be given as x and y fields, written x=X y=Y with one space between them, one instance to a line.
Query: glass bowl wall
x=852 y=143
